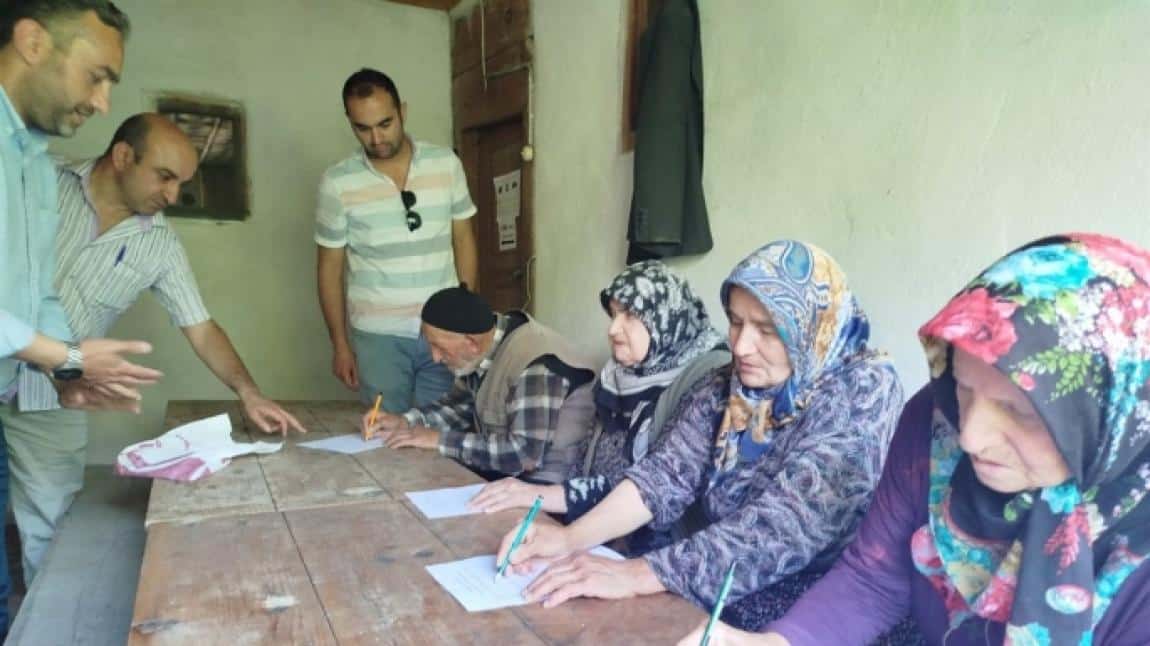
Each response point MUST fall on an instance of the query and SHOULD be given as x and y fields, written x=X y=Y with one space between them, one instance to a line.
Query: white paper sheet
x=445 y=503
x=471 y=581
x=350 y=444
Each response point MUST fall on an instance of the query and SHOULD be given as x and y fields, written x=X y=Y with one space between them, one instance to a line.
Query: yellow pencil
x=374 y=414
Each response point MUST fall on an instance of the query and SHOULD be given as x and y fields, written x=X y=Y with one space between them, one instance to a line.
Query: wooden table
x=309 y=547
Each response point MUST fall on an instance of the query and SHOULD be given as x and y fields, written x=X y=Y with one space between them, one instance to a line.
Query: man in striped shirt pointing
x=113 y=243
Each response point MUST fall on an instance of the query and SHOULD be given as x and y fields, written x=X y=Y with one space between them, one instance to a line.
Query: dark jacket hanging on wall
x=668 y=214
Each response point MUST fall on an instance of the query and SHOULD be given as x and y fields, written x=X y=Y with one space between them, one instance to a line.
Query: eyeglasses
x=411 y=217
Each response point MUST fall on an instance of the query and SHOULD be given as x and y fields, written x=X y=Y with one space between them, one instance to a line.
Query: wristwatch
x=73 y=367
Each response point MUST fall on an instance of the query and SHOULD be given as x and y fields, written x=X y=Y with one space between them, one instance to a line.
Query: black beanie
x=458 y=310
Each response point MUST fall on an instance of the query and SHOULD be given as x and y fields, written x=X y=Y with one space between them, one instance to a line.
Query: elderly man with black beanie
x=521 y=404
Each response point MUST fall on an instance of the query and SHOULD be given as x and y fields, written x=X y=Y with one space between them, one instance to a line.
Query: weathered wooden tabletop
x=309 y=547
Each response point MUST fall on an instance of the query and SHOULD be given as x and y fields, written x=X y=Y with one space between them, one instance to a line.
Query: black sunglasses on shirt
x=411 y=217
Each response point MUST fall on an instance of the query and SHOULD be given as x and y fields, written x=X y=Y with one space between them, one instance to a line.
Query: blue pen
x=120 y=256
x=722 y=600
x=519 y=537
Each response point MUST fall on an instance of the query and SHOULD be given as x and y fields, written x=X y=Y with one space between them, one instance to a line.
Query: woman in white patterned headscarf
x=659 y=329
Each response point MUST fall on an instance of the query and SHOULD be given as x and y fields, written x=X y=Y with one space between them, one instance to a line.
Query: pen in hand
x=519 y=536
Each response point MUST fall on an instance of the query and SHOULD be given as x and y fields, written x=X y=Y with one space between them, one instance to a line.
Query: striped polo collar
x=416 y=150
x=134 y=224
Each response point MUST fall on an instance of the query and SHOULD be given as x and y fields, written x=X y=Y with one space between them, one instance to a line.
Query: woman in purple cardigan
x=1012 y=508
x=781 y=451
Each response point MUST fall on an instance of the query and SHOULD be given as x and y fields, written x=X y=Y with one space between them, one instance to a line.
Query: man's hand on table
x=418 y=437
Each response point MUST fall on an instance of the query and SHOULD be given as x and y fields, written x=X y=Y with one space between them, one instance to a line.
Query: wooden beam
x=504 y=97
x=505 y=24
x=440 y=5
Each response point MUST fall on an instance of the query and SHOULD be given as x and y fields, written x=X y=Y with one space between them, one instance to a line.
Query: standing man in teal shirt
x=58 y=62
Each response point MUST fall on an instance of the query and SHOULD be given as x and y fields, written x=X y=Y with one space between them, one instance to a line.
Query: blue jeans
x=5 y=579
x=399 y=368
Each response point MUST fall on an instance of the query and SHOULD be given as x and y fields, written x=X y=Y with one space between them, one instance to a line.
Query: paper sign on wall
x=507 y=190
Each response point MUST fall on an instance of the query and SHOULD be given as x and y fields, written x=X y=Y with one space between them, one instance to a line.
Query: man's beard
x=48 y=109
x=371 y=152
x=395 y=149
x=467 y=368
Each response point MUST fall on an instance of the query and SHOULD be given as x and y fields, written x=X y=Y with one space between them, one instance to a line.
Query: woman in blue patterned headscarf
x=818 y=330
x=780 y=450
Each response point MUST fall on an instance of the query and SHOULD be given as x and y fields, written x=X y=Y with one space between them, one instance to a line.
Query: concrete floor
x=87 y=583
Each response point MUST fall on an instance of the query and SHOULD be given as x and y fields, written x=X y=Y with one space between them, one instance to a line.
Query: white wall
x=582 y=181
x=286 y=61
x=915 y=141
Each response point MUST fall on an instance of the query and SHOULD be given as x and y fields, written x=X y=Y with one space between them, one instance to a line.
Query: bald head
x=151 y=157
x=137 y=130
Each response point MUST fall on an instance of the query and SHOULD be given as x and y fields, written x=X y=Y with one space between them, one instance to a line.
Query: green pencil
x=723 y=592
x=519 y=537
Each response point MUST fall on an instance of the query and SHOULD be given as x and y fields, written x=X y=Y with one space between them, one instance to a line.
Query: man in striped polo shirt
x=112 y=244
x=396 y=217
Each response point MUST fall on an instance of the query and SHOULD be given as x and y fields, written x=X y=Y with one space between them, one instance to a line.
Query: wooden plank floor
x=85 y=587
x=334 y=553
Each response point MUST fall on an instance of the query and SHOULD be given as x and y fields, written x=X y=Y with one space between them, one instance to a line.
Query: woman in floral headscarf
x=662 y=342
x=1013 y=508
x=798 y=428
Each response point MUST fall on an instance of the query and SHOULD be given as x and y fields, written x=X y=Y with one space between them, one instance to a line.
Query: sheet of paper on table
x=445 y=503
x=472 y=583
x=350 y=444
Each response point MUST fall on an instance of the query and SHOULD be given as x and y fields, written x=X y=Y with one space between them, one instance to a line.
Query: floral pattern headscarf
x=818 y=320
x=1067 y=319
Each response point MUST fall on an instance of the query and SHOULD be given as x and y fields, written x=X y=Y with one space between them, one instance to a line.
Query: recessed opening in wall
x=217 y=128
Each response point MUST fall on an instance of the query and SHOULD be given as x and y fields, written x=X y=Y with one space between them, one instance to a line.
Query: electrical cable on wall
x=483 y=43
x=527 y=153
x=527 y=281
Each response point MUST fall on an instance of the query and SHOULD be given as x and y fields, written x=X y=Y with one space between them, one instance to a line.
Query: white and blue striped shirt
x=391 y=270
x=99 y=276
